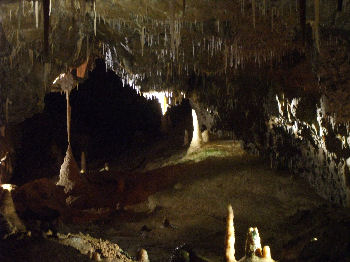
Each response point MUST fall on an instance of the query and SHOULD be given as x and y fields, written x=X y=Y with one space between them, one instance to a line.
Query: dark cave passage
x=108 y=119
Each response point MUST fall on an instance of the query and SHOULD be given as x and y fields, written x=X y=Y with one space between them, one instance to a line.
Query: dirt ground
x=184 y=205
x=191 y=208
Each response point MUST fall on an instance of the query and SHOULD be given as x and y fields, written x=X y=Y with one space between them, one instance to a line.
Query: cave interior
x=174 y=130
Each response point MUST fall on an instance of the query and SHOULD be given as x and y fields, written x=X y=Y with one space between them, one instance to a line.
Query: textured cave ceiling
x=299 y=46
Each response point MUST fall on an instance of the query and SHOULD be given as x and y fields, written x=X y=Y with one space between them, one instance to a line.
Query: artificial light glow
x=162 y=97
x=8 y=187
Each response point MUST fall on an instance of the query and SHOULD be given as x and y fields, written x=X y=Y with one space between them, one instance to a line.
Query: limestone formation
x=196 y=141
x=70 y=177
x=253 y=250
x=143 y=256
x=230 y=236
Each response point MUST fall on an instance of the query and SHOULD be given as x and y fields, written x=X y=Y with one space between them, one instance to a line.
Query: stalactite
x=46 y=11
x=302 y=17
x=272 y=14
x=226 y=57
x=68 y=116
x=253 y=9
x=317 y=22
x=94 y=17
x=87 y=48
x=36 y=14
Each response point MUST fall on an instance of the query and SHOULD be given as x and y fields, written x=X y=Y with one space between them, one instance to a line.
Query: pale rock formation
x=205 y=136
x=196 y=141
x=70 y=177
x=143 y=256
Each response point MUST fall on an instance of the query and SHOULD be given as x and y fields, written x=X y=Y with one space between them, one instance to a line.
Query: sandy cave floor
x=190 y=208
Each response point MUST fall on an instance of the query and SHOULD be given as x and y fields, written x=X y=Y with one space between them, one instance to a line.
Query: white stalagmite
x=50 y=8
x=230 y=236
x=197 y=135
x=205 y=136
x=36 y=14
x=252 y=245
x=266 y=252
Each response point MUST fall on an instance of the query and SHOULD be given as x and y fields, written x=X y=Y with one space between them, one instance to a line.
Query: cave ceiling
x=161 y=44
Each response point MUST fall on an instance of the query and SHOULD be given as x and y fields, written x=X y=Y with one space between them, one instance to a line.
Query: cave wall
x=295 y=132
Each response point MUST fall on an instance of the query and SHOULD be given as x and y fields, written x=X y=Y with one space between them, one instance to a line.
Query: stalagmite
x=205 y=136
x=253 y=251
x=69 y=177
x=230 y=236
x=197 y=135
x=143 y=256
x=266 y=252
x=252 y=244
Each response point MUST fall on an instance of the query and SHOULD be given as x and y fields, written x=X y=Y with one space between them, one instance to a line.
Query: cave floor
x=190 y=209
x=179 y=202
